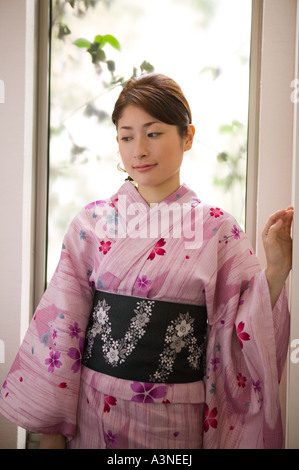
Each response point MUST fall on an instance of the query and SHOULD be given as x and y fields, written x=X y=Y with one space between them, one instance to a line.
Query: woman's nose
x=140 y=149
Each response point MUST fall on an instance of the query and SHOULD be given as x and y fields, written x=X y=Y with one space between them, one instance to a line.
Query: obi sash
x=146 y=340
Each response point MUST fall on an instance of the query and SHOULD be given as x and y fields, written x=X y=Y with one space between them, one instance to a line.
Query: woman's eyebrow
x=147 y=124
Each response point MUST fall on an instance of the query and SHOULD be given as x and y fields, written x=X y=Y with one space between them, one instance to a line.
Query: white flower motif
x=142 y=319
x=112 y=355
x=101 y=315
x=183 y=328
x=177 y=343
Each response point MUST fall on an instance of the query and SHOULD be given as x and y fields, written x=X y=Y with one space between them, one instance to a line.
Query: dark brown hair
x=159 y=96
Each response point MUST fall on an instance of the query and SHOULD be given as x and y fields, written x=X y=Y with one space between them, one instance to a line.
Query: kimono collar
x=127 y=250
x=182 y=195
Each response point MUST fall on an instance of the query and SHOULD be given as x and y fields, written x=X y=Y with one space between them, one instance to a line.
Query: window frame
x=252 y=194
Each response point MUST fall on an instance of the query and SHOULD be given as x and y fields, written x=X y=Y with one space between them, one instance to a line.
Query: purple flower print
x=143 y=283
x=110 y=438
x=75 y=330
x=76 y=354
x=214 y=363
x=236 y=232
x=146 y=393
x=53 y=361
x=256 y=386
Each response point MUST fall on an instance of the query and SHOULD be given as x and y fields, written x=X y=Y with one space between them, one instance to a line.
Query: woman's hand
x=277 y=242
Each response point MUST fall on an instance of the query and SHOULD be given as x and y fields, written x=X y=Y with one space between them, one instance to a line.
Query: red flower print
x=241 y=380
x=157 y=249
x=241 y=334
x=210 y=418
x=105 y=247
x=215 y=212
x=109 y=401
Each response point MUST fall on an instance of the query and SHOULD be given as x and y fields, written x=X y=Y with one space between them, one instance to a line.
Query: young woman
x=181 y=335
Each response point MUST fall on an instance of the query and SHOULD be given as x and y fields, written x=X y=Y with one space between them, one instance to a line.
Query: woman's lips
x=144 y=167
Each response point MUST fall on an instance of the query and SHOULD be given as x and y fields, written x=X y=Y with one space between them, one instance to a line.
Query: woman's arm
x=53 y=441
x=278 y=248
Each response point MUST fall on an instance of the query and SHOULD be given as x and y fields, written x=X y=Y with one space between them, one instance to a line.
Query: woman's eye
x=154 y=134
x=126 y=139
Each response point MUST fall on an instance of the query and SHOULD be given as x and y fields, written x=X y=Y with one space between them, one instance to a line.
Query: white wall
x=16 y=145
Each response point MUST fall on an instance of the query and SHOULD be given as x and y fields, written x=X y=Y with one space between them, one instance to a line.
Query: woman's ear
x=189 y=137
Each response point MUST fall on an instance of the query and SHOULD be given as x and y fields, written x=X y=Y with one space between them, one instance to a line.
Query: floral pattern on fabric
x=116 y=351
x=147 y=392
x=158 y=250
x=179 y=335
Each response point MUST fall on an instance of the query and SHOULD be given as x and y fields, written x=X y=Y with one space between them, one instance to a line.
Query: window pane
x=203 y=44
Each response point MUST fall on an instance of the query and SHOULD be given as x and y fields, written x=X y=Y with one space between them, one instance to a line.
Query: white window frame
x=292 y=427
x=253 y=219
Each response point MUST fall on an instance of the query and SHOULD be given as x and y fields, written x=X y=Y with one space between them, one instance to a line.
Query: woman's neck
x=156 y=194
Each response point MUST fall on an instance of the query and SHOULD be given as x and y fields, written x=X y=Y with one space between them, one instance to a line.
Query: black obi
x=146 y=340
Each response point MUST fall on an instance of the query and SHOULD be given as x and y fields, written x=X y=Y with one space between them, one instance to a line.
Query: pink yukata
x=236 y=405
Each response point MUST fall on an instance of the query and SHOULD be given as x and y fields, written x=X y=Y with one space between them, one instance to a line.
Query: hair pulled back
x=158 y=95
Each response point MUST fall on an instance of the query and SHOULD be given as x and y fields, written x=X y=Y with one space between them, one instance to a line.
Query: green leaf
x=98 y=39
x=107 y=39
x=146 y=67
x=81 y=42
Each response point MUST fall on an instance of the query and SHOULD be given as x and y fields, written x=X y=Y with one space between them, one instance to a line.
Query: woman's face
x=151 y=150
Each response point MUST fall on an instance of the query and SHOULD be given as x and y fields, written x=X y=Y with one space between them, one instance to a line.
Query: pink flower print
x=109 y=401
x=157 y=249
x=236 y=232
x=53 y=361
x=76 y=354
x=215 y=212
x=241 y=380
x=214 y=363
x=105 y=247
x=147 y=393
x=75 y=330
x=241 y=334
x=210 y=418
x=143 y=283
x=112 y=204
x=100 y=203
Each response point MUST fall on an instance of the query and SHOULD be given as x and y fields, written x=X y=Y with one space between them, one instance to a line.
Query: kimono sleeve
x=246 y=350
x=41 y=390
